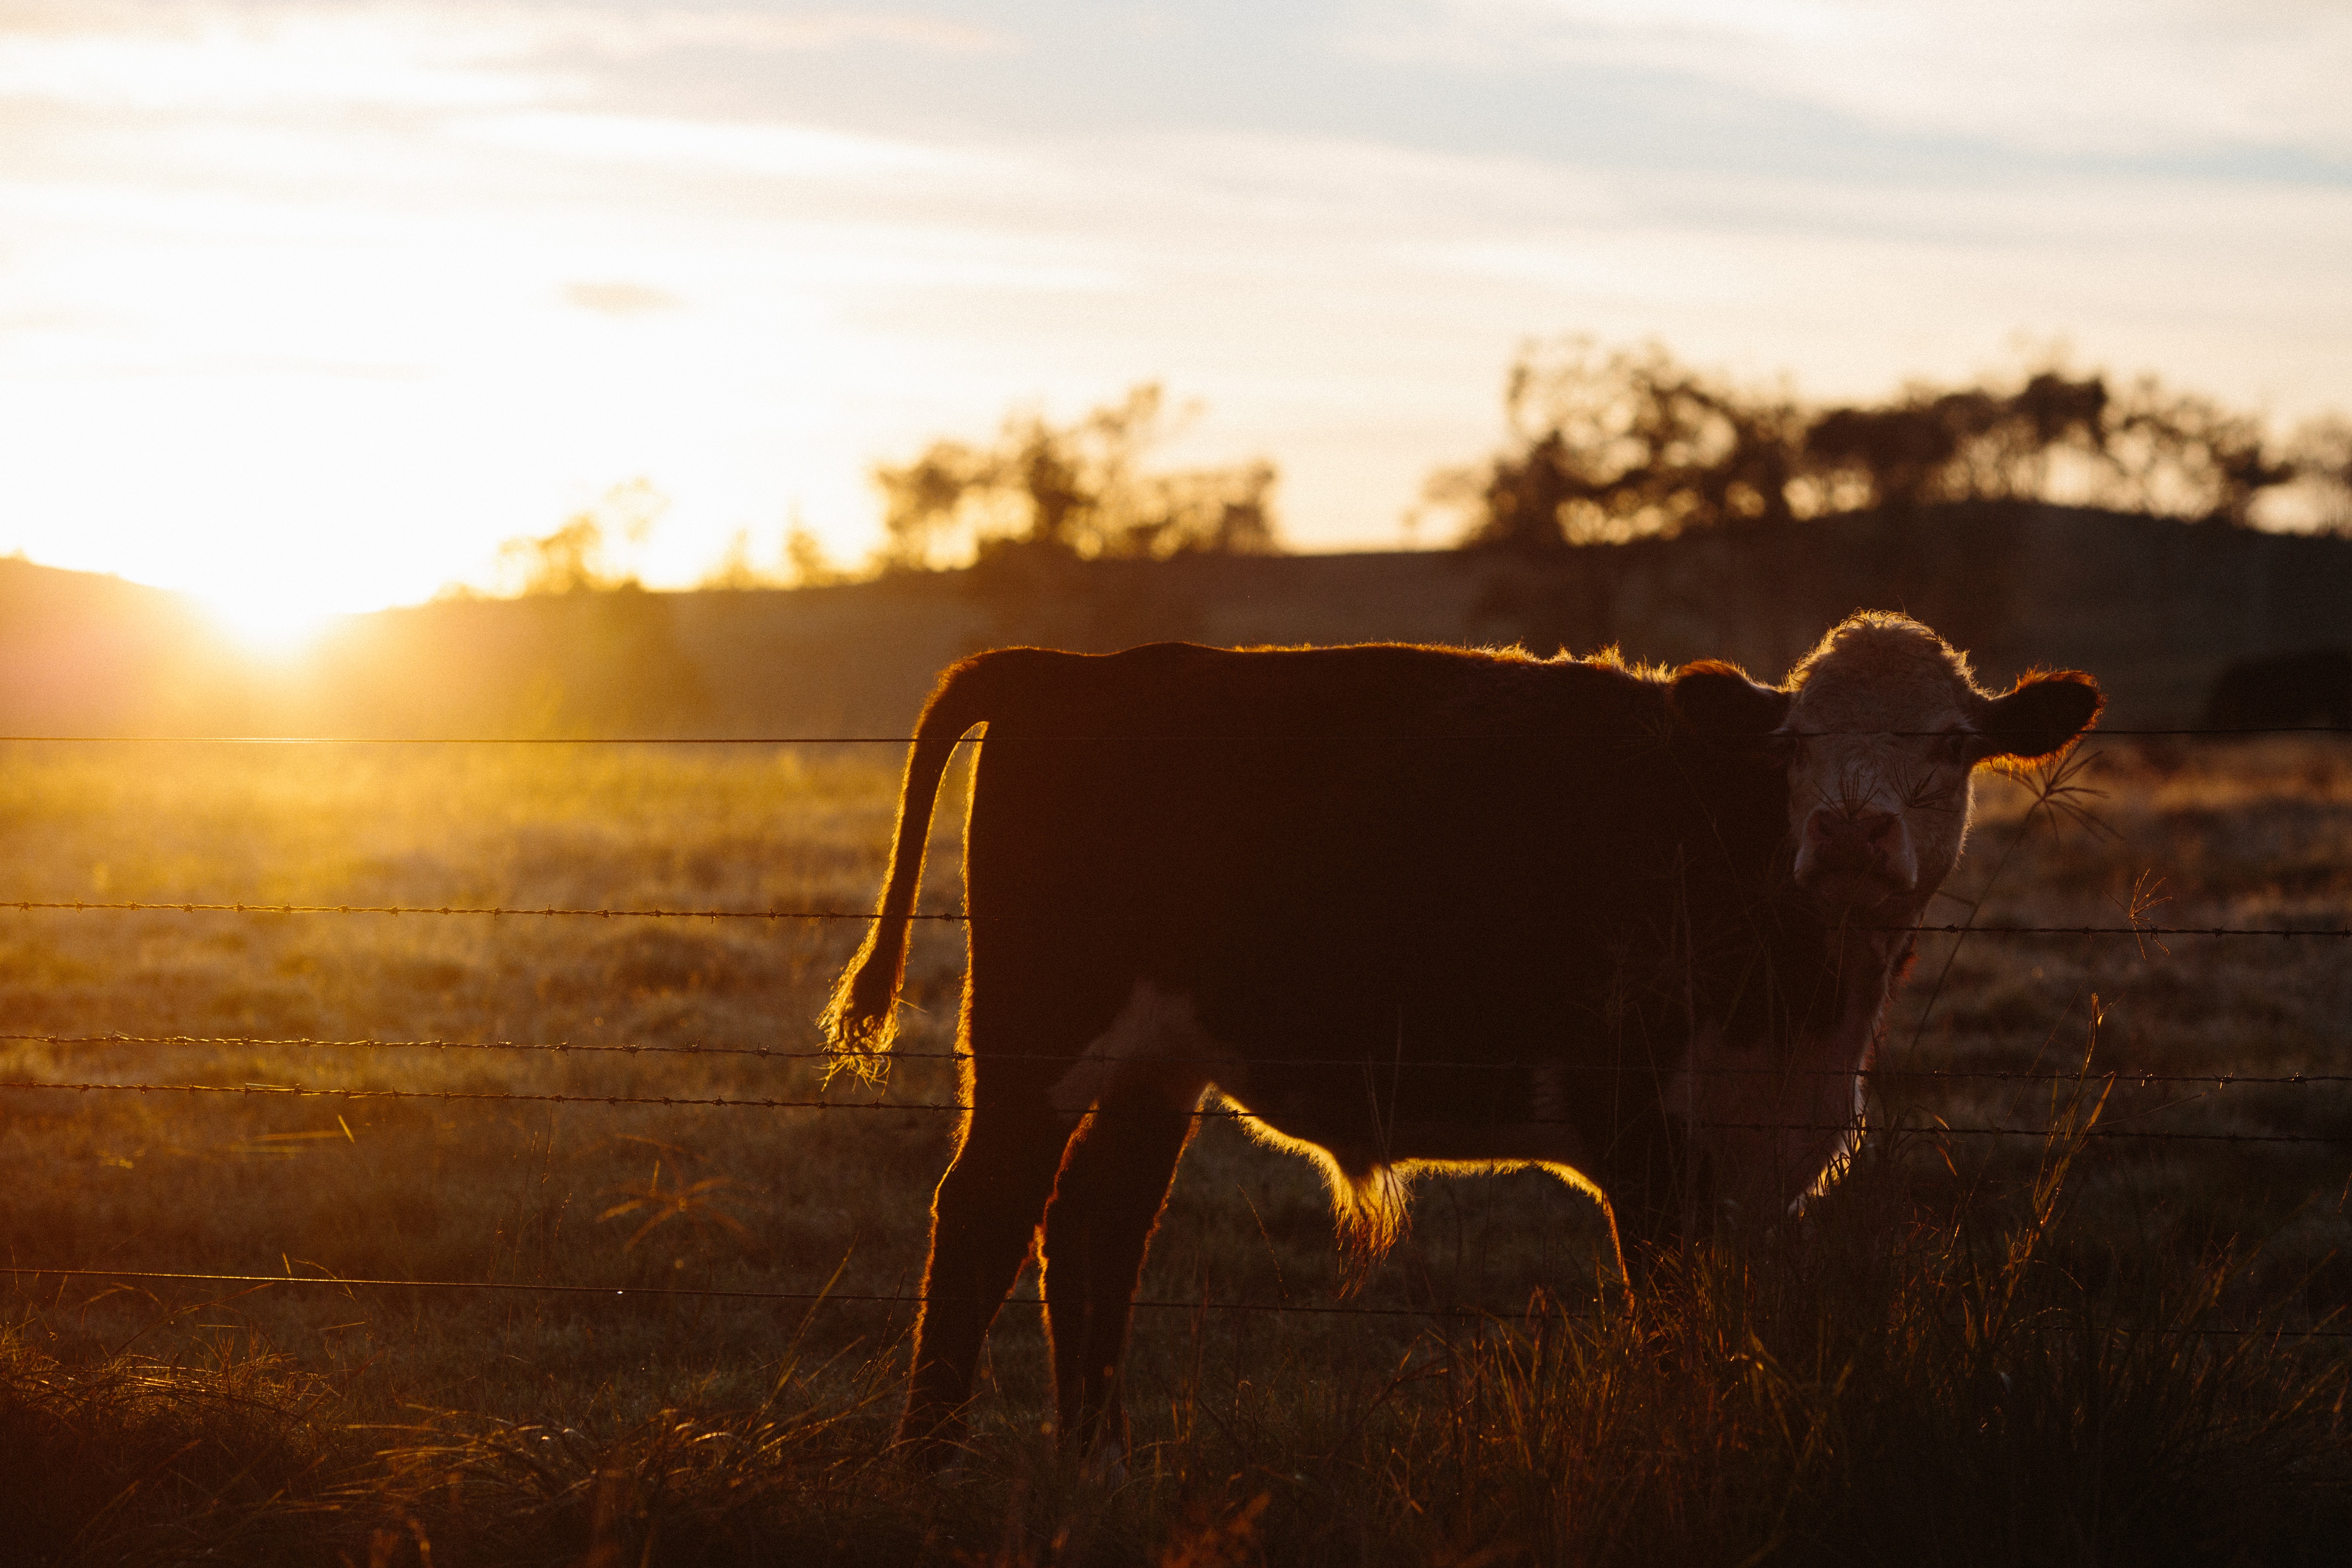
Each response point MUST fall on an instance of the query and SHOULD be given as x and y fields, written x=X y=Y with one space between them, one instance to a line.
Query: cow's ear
x=2040 y=716
x=1717 y=701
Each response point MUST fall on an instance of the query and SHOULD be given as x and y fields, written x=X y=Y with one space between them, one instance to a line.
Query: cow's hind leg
x=983 y=1222
x=1113 y=1184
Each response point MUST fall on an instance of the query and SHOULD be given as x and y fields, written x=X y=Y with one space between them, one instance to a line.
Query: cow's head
x=1880 y=727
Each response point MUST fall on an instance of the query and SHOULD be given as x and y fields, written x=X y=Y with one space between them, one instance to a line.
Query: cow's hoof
x=1103 y=1466
x=932 y=1445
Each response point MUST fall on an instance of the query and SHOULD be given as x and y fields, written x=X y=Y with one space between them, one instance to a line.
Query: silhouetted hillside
x=2156 y=607
x=582 y=663
x=86 y=654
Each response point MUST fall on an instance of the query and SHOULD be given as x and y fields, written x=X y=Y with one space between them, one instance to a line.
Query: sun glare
x=264 y=620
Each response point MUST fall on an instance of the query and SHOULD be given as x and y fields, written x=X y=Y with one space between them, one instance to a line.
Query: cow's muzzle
x=1862 y=858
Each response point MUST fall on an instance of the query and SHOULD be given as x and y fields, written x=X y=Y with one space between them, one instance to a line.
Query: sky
x=305 y=305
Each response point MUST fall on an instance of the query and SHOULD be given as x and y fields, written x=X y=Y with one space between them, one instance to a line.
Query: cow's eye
x=1955 y=746
x=1780 y=748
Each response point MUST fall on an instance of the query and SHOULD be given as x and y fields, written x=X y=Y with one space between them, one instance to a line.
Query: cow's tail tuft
x=1369 y=1214
x=862 y=1019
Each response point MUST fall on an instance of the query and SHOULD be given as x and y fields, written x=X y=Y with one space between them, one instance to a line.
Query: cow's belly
x=1359 y=1120
x=1343 y=1112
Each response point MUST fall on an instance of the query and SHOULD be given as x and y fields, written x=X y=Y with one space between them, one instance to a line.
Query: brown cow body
x=1407 y=908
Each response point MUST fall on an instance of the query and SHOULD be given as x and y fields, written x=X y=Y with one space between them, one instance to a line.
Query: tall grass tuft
x=122 y=1458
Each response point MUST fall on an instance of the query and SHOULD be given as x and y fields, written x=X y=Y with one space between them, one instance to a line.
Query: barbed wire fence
x=2221 y=1079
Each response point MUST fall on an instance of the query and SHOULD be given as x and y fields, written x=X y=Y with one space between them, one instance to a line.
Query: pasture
x=2021 y=1331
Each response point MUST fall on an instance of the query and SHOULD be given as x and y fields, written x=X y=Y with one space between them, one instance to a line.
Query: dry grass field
x=2062 y=1342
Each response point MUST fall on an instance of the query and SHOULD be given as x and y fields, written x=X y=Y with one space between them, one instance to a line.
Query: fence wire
x=28 y=906
x=660 y=1291
x=960 y=917
x=1202 y=1303
x=2122 y=1076
x=2101 y=733
x=762 y=1102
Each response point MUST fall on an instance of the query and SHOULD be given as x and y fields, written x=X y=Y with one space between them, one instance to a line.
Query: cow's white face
x=1880 y=728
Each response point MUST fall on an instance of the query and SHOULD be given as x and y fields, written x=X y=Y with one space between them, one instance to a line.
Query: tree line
x=1613 y=444
x=1607 y=444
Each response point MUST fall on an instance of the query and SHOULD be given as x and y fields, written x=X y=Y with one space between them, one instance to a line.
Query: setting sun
x=269 y=619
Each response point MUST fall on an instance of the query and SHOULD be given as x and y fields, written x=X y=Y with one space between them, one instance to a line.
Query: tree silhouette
x=1610 y=445
x=575 y=558
x=1078 y=491
x=1613 y=444
x=2322 y=451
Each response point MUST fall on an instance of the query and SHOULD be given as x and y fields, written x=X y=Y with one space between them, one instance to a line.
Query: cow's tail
x=862 y=1018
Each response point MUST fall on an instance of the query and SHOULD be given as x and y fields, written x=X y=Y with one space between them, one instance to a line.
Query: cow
x=1406 y=910
x=2283 y=691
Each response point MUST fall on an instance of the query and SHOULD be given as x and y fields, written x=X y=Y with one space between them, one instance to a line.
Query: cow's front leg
x=1659 y=1201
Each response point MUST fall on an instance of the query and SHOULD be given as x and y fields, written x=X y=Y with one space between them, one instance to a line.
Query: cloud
x=619 y=299
x=216 y=54
x=210 y=61
x=770 y=149
x=2103 y=77
x=732 y=27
